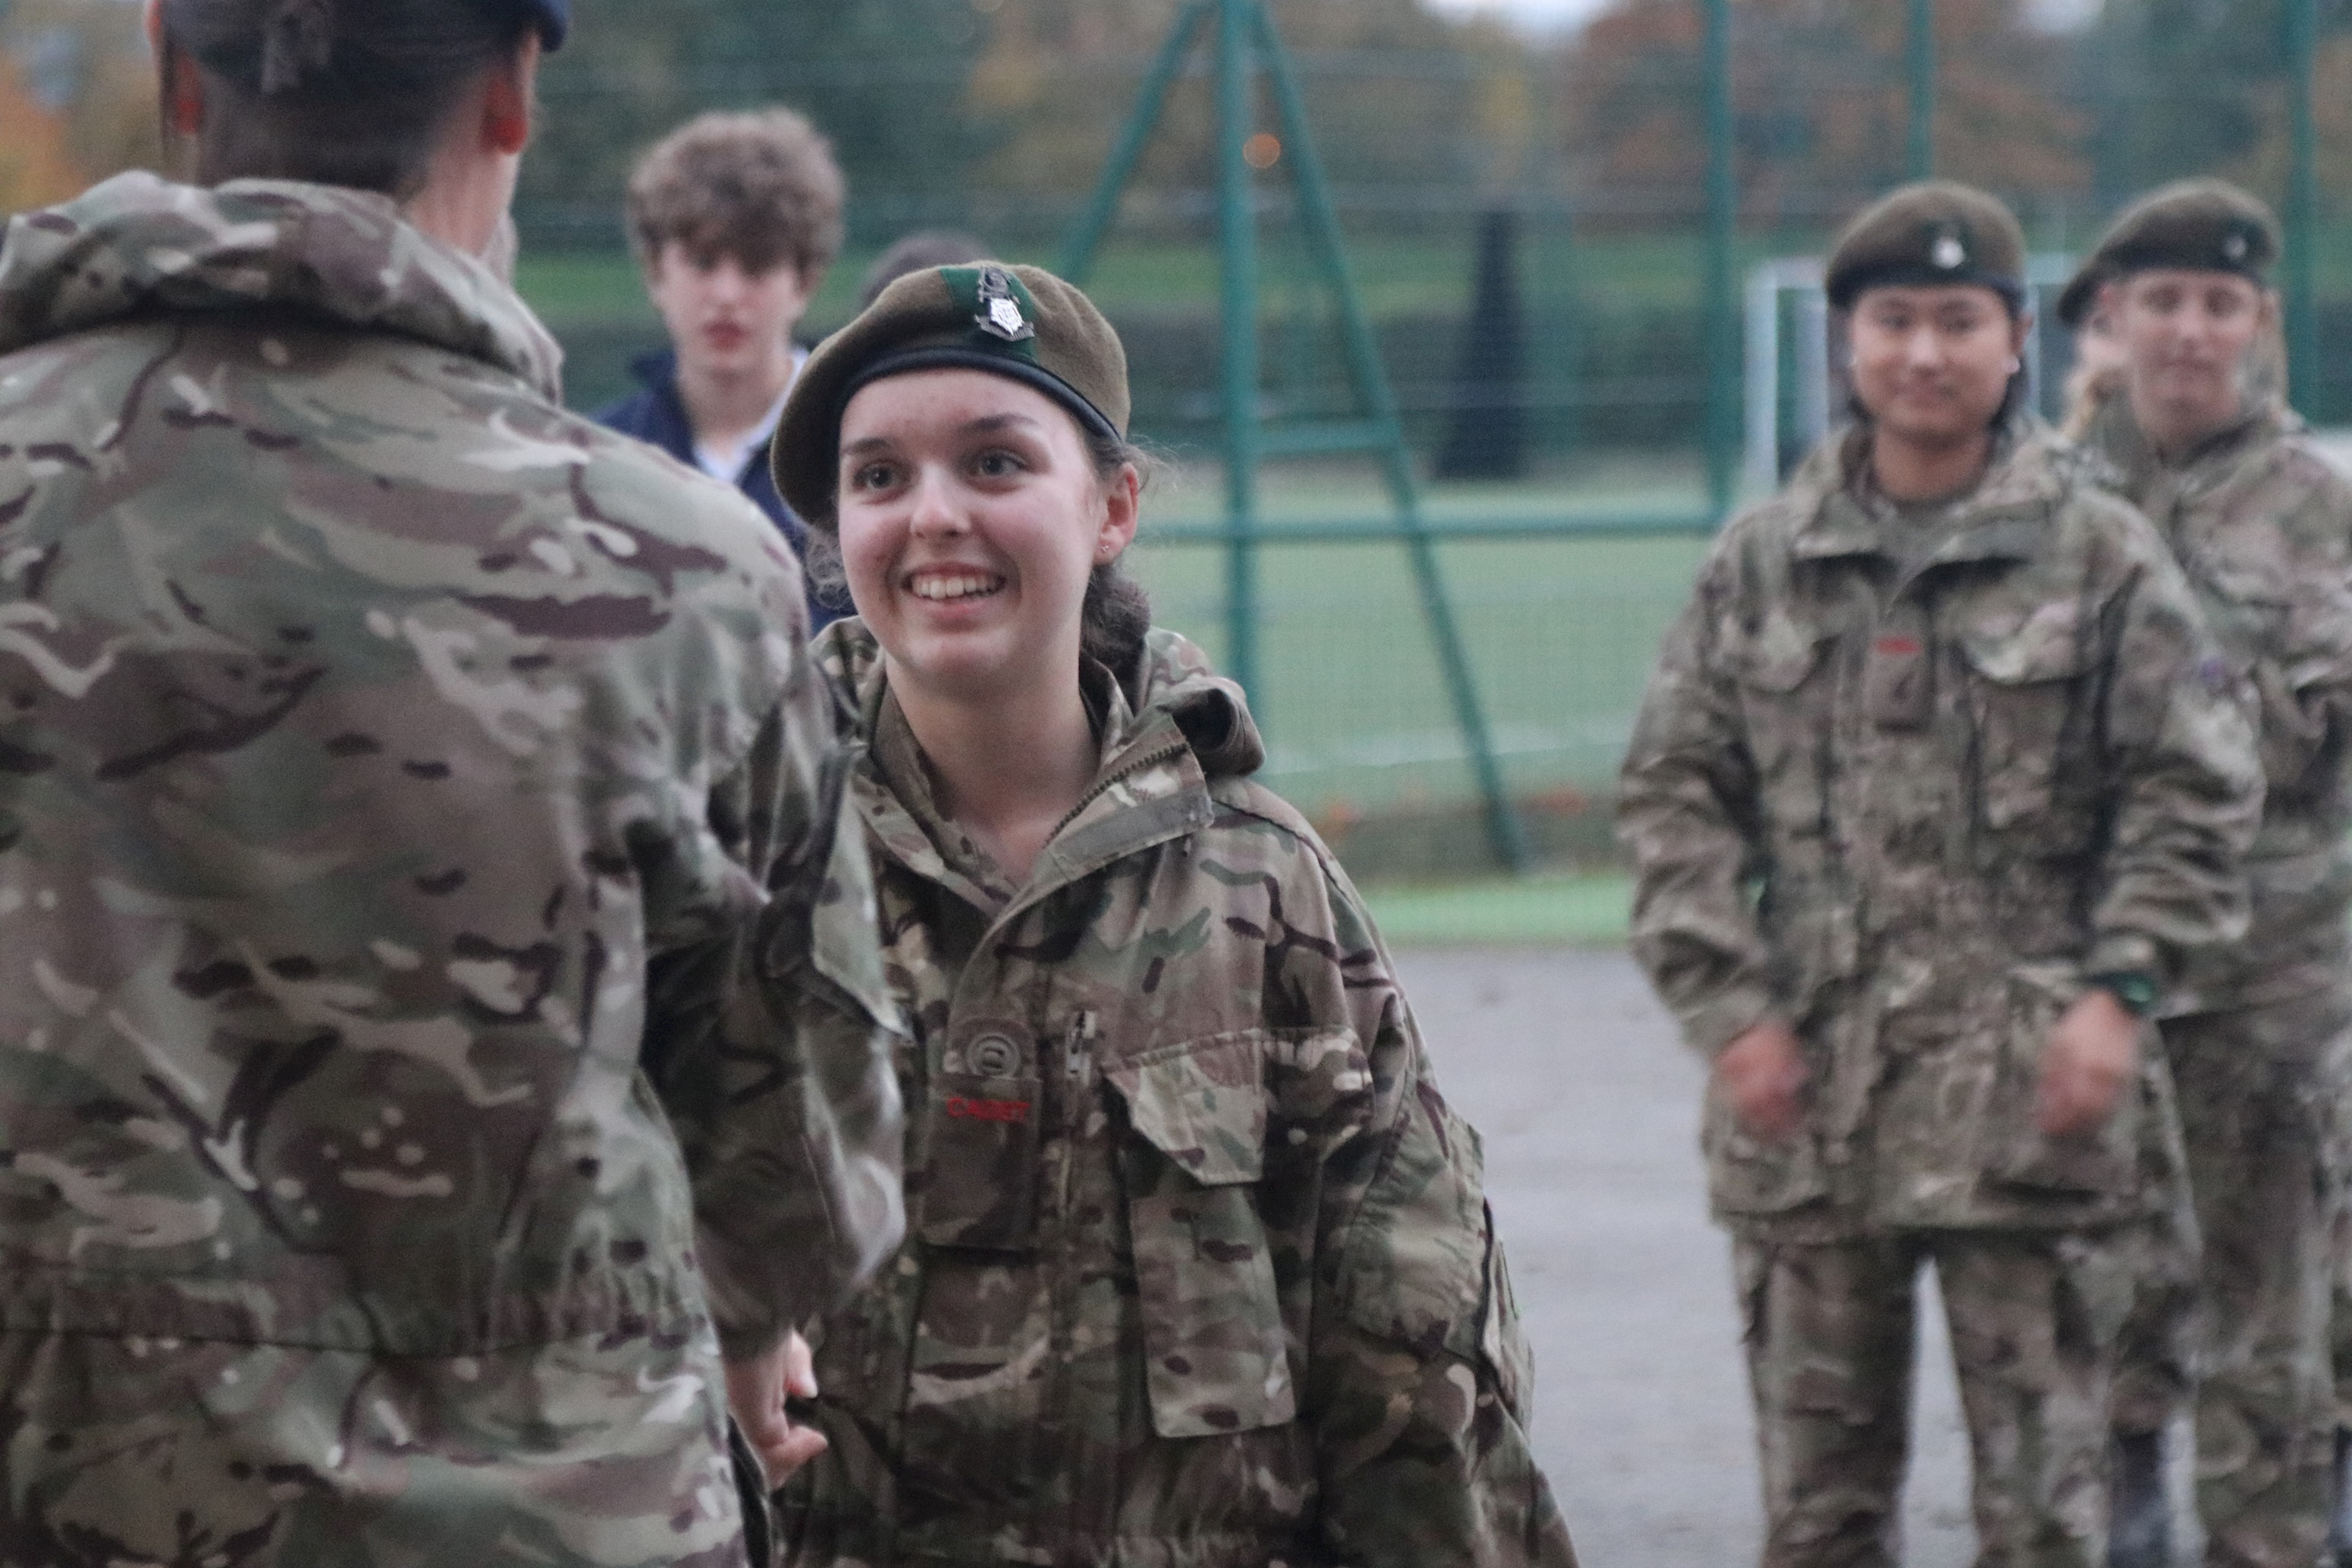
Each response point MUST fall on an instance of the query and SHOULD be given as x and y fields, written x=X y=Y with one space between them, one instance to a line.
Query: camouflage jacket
x=1909 y=806
x=392 y=767
x=2262 y=525
x=1198 y=1273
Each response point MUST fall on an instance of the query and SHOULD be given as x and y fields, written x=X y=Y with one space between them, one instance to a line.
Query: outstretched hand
x=756 y=1392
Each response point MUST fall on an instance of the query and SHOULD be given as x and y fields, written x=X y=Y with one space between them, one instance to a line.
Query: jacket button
x=993 y=1056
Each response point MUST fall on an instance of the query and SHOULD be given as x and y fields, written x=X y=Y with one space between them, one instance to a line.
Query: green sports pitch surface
x=1560 y=633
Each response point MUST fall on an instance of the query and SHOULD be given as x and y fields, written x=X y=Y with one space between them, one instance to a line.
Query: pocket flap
x=2022 y=649
x=1202 y=1104
x=1774 y=656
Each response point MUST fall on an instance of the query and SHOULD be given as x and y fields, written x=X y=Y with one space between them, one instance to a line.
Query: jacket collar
x=139 y=245
x=2135 y=467
x=2005 y=517
x=1167 y=728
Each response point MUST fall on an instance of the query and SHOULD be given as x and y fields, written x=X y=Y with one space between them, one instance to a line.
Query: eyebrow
x=981 y=426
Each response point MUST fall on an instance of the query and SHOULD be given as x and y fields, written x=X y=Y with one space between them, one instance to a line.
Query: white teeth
x=941 y=588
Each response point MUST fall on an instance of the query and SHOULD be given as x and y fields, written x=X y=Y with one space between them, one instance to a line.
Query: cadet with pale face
x=2256 y=1031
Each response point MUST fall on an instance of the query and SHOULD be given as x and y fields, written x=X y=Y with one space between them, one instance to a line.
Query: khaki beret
x=1017 y=322
x=1931 y=233
x=2205 y=225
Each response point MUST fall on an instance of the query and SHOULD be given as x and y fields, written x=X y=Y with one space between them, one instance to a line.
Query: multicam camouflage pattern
x=2263 y=526
x=392 y=766
x=1830 y=1336
x=2260 y=1123
x=1909 y=807
x=1200 y=1272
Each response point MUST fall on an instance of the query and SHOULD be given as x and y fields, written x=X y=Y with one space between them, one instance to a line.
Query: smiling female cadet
x=1198 y=1273
x=2259 y=1032
x=1938 y=777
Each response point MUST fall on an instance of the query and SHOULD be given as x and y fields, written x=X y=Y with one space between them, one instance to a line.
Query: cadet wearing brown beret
x=2204 y=226
x=1933 y=233
x=2256 y=1031
x=1865 y=678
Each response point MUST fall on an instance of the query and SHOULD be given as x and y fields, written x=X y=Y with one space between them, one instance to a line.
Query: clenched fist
x=1763 y=1071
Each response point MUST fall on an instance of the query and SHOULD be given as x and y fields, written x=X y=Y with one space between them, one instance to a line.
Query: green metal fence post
x=1321 y=216
x=1722 y=215
x=1922 y=91
x=2301 y=207
x=1151 y=99
x=1237 y=291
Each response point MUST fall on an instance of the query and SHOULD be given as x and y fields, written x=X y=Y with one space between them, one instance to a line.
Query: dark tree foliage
x=884 y=79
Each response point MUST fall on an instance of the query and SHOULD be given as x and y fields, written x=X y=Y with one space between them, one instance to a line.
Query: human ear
x=509 y=99
x=183 y=88
x=1122 y=510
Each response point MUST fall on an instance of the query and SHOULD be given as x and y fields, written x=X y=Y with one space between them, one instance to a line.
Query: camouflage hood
x=1172 y=684
x=139 y=247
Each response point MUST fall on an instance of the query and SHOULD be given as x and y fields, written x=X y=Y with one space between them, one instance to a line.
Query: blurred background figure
x=2197 y=433
x=917 y=252
x=2097 y=373
x=735 y=219
x=1869 y=802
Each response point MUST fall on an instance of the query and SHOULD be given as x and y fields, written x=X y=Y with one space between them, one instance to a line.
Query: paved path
x=1590 y=1109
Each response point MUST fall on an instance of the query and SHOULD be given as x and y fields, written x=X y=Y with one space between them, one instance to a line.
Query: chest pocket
x=1782 y=668
x=1217 y=1351
x=2247 y=609
x=2029 y=707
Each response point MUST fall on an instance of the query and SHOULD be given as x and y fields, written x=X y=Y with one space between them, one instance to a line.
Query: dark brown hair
x=340 y=92
x=763 y=188
x=1116 y=614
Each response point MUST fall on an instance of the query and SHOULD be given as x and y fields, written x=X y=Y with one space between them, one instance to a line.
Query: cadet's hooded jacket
x=2263 y=526
x=1906 y=785
x=389 y=762
x=1199 y=1272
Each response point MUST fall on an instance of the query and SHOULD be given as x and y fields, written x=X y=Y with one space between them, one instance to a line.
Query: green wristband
x=2138 y=992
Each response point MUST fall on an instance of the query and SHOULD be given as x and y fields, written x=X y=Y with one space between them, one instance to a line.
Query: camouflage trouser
x=2257 y=1112
x=1830 y=1351
x=585 y=1454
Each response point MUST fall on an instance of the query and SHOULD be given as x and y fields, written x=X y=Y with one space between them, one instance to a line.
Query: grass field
x=1559 y=633
x=1536 y=911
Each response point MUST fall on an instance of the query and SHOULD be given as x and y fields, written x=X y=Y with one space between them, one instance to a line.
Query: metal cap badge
x=999 y=312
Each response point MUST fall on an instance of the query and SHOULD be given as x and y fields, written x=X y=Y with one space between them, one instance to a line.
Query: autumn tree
x=76 y=98
x=1821 y=105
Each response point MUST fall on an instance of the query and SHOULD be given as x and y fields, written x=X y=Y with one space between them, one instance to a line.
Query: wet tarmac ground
x=1589 y=1106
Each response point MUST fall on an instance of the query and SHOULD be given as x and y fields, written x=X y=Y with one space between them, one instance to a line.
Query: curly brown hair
x=760 y=187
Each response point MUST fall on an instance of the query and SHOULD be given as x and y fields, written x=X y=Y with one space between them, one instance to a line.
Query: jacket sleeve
x=775 y=1041
x=1419 y=1378
x=2183 y=774
x=1686 y=812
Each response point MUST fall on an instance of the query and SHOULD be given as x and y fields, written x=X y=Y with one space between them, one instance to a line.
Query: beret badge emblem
x=999 y=313
x=1948 y=252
